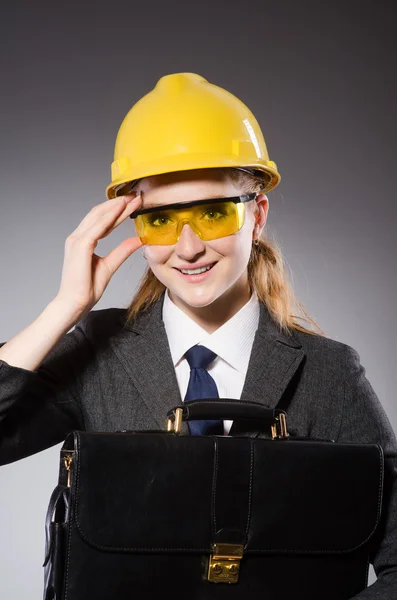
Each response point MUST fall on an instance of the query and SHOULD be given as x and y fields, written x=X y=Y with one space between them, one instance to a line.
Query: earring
x=256 y=242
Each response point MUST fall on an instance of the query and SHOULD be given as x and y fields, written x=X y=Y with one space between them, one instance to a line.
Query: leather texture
x=146 y=507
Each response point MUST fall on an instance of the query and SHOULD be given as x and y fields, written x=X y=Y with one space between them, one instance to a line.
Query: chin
x=197 y=298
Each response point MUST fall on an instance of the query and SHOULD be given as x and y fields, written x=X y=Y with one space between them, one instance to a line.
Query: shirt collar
x=232 y=341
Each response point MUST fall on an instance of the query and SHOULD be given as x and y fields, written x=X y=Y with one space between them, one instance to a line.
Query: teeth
x=195 y=271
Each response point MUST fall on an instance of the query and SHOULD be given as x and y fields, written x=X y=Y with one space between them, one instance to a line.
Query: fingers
x=86 y=275
x=133 y=203
x=97 y=211
x=102 y=217
x=108 y=222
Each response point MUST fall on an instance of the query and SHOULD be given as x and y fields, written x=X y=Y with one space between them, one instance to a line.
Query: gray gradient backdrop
x=321 y=79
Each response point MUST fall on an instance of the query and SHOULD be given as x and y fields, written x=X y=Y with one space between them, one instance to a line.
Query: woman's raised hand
x=85 y=275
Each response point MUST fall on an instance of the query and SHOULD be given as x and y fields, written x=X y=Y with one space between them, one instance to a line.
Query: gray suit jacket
x=105 y=376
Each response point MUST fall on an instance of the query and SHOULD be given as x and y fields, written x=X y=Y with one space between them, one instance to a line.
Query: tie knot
x=199 y=357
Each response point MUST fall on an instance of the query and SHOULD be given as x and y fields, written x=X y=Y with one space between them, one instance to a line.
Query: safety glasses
x=210 y=219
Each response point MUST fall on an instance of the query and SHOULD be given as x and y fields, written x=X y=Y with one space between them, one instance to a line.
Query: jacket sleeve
x=39 y=408
x=364 y=421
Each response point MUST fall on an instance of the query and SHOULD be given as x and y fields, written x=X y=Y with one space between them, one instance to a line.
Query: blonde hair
x=266 y=272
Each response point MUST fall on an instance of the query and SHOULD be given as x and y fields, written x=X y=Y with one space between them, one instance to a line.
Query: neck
x=214 y=315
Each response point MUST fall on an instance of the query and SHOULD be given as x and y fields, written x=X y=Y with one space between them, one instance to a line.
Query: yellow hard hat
x=185 y=123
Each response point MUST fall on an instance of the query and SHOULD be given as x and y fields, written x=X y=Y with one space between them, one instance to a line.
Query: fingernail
x=134 y=198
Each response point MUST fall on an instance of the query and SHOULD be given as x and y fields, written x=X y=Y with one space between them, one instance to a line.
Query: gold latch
x=175 y=423
x=224 y=563
x=67 y=461
x=281 y=420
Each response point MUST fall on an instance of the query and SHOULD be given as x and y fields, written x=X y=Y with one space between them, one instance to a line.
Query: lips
x=196 y=277
x=194 y=267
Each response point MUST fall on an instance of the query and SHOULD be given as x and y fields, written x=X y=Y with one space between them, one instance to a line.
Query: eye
x=214 y=213
x=159 y=220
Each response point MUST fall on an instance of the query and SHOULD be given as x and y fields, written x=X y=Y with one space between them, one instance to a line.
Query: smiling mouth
x=197 y=271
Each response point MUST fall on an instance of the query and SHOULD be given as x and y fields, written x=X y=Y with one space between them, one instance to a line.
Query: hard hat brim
x=191 y=162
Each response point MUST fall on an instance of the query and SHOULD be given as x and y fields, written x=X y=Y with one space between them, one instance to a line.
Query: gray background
x=321 y=79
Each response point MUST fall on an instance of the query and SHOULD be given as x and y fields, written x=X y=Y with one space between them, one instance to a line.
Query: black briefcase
x=142 y=514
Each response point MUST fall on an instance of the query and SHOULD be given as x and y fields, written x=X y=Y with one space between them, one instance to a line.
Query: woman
x=192 y=168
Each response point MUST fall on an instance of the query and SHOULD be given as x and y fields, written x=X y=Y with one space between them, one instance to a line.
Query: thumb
x=116 y=257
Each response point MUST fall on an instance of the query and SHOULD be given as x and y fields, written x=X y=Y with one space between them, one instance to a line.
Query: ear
x=260 y=215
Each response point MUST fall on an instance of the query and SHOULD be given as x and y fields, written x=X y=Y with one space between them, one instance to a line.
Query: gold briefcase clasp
x=224 y=563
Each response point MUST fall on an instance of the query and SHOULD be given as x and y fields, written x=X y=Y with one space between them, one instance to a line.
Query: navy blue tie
x=202 y=385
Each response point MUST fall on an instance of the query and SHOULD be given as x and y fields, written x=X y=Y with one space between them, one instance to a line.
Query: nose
x=189 y=244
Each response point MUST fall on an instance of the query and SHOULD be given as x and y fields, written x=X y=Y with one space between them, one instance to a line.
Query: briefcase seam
x=366 y=574
x=252 y=453
x=77 y=441
x=214 y=481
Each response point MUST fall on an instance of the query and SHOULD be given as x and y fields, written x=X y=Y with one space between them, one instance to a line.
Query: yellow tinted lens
x=209 y=221
x=216 y=220
x=158 y=227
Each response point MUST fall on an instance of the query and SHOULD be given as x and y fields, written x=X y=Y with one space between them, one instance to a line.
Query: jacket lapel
x=275 y=358
x=143 y=349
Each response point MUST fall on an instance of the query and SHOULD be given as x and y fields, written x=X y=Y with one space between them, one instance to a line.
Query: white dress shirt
x=232 y=342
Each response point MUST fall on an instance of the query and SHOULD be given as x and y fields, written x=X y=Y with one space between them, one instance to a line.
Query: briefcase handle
x=228 y=409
